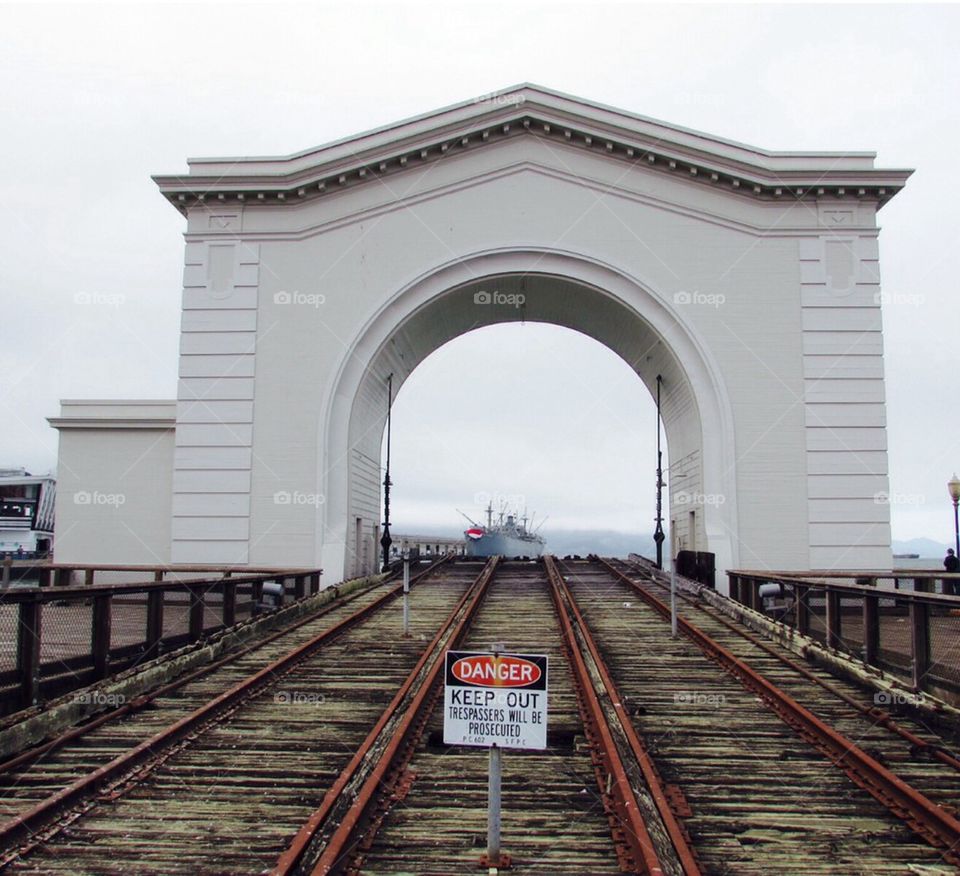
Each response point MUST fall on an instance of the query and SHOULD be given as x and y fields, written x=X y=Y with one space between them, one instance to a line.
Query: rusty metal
x=450 y=633
x=133 y=760
x=678 y=834
x=930 y=821
x=138 y=703
x=642 y=852
x=877 y=715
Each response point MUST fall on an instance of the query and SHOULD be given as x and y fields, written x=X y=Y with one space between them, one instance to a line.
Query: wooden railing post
x=919 y=642
x=834 y=623
x=100 y=634
x=803 y=609
x=62 y=578
x=154 y=622
x=314 y=583
x=88 y=577
x=196 y=612
x=871 y=629
x=299 y=588
x=256 y=597
x=229 y=602
x=28 y=651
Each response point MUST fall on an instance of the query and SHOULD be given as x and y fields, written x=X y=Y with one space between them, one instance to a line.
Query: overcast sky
x=96 y=98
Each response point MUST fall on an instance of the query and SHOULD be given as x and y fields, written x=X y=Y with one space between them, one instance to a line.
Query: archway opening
x=550 y=288
x=527 y=418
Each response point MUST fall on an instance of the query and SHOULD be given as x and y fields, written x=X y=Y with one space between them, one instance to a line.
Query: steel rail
x=138 y=758
x=677 y=832
x=338 y=846
x=880 y=717
x=625 y=807
x=934 y=824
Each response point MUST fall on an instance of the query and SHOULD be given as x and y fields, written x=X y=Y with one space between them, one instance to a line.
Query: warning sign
x=495 y=699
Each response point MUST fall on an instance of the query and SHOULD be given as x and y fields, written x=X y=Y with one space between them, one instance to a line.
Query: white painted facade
x=747 y=279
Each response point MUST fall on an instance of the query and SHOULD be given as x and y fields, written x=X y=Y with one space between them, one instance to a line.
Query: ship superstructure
x=509 y=536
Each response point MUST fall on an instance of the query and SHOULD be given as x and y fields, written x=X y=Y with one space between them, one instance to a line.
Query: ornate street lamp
x=658 y=535
x=953 y=488
x=385 y=540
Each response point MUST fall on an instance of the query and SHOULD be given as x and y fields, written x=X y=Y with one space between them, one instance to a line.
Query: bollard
x=406 y=594
x=673 y=603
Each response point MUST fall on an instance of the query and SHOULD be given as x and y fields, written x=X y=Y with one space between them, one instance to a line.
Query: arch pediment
x=527 y=110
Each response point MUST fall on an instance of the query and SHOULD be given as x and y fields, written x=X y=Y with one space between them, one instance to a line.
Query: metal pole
x=385 y=540
x=493 y=794
x=658 y=535
x=956 y=529
x=406 y=593
x=493 y=812
x=673 y=601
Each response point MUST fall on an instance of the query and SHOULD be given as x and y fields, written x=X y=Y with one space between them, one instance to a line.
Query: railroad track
x=762 y=795
x=665 y=756
x=203 y=779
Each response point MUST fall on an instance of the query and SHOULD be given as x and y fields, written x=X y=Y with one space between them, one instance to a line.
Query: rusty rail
x=626 y=816
x=337 y=847
x=142 y=758
x=877 y=715
x=934 y=824
x=678 y=834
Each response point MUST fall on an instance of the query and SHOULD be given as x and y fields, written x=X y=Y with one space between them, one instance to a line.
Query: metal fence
x=907 y=624
x=57 y=639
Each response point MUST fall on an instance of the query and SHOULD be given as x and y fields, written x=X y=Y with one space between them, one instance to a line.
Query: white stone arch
x=689 y=370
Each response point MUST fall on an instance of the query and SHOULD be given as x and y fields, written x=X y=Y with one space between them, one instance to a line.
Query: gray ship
x=509 y=537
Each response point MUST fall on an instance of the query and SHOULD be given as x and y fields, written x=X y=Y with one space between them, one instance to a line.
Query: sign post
x=495 y=700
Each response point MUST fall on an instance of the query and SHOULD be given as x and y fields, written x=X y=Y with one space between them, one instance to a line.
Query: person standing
x=951 y=563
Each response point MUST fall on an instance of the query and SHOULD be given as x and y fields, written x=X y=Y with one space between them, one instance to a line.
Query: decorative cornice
x=552 y=118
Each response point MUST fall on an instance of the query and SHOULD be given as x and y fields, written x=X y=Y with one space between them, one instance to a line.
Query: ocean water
x=932 y=564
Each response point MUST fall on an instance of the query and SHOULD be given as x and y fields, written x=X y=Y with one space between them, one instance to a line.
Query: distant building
x=26 y=513
x=428 y=545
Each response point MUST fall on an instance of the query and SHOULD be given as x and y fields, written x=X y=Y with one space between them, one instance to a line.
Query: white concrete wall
x=114 y=485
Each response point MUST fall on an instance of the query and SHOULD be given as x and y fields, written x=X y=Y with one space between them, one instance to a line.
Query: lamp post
x=385 y=540
x=953 y=488
x=658 y=535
